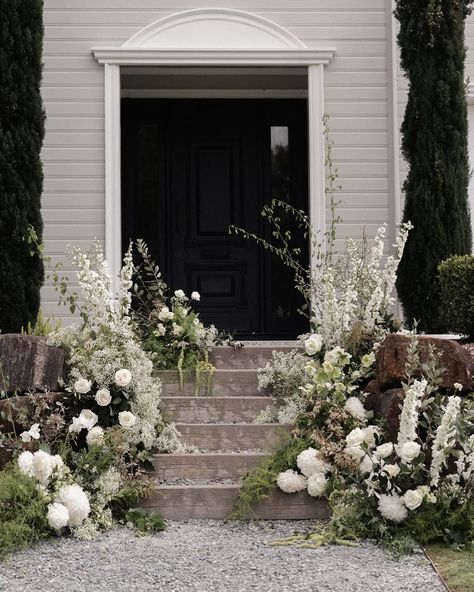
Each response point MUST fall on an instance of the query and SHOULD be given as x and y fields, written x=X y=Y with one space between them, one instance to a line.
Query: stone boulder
x=392 y=357
x=29 y=363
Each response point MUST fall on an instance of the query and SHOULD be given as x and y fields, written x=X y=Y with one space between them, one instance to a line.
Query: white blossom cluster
x=69 y=504
x=355 y=290
x=105 y=345
x=314 y=470
x=399 y=475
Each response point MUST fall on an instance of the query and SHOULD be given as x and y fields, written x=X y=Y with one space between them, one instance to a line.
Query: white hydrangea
x=291 y=482
x=42 y=466
x=392 y=507
x=354 y=406
x=76 y=502
x=95 y=436
x=58 y=516
x=310 y=462
x=25 y=463
x=317 y=485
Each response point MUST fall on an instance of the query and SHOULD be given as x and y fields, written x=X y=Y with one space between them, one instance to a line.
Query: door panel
x=191 y=168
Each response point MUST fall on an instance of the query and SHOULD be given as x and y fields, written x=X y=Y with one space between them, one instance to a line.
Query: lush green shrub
x=456 y=280
x=435 y=147
x=21 y=175
x=23 y=512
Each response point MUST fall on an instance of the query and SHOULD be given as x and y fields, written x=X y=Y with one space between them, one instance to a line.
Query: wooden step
x=225 y=383
x=212 y=409
x=218 y=436
x=247 y=357
x=183 y=502
x=212 y=465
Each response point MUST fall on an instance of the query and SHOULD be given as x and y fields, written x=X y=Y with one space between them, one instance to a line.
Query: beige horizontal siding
x=73 y=153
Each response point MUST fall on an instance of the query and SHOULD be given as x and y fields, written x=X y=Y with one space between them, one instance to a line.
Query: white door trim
x=193 y=29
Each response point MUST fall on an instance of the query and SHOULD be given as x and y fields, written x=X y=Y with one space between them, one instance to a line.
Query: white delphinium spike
x=126 y=283
x=410 y=410
x=445 y=438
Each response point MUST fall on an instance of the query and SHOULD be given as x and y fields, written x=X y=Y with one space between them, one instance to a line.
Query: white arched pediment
x=216 y=28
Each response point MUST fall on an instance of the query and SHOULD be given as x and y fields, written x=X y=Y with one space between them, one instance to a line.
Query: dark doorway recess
x=192 y=167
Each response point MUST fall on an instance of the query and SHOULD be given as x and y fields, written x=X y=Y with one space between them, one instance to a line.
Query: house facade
x=173 y=120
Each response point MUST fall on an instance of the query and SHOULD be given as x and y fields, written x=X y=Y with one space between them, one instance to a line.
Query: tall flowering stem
x=410 y=412
x=445 y=438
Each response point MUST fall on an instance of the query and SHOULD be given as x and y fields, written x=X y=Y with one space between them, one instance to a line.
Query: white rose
x=123 y=377
x=355 y=452
x=317 y=485
x=195 y=296
x=87 y=419
x=76 y=502
x=354 y=406
x=126 y=419
x=413 y=498
x=290 y=481
x=370 y=433
x=58 y=516
x=392 y=470
x=25 y=463
x=384 y=450
x=409 y=451
x=356 y=437
x=82 y=386
x=180 y=294
x=366 y=465
x=313 y=344
x=42 y=466
x=103 y=397
x=95 y=436
x=161 y=329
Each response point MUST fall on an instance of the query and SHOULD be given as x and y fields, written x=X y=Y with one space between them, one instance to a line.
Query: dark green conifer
x=21 y=175
x=434 y=144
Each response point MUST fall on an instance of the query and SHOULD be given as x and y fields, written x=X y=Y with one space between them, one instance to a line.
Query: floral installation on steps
x=169 y=328
x=377 y=489
x=95 y=445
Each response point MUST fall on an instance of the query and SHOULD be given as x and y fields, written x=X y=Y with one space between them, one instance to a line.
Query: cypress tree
x=21 y=175
x=434 y=144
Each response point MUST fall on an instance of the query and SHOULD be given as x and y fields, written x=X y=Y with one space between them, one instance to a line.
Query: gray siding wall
x=356 y=93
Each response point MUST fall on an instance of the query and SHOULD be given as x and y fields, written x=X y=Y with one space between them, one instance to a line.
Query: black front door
x=192 y=168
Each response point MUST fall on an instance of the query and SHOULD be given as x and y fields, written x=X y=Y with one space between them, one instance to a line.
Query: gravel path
x=209 y=556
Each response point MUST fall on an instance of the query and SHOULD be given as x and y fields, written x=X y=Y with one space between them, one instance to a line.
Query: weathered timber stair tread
x=187 y=409
x=227 y=435
x=212 y=465
x=216 y=501
x=219 y=423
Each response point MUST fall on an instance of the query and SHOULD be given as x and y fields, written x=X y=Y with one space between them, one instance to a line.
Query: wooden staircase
x=219 y=424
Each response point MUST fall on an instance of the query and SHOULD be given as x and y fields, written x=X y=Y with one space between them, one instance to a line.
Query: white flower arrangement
x=310 y=461
x=291 y=482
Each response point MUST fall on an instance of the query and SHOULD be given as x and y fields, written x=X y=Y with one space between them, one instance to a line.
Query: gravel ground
x=209 y=556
